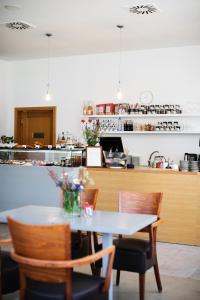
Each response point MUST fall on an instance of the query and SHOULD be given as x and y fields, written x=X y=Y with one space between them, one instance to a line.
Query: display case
x=63 y=157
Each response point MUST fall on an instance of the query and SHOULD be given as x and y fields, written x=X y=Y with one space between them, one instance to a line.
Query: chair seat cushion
x=84 y=287
x=132 y=255
x=10 y=273
x=132 y=245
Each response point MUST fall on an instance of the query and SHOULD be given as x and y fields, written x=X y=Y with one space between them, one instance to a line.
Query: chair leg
x=118 y=277
x=22 y=285
x=141 y=285
x=95 y=271
x=92 y=266
x=157 y=275
x=98 y=272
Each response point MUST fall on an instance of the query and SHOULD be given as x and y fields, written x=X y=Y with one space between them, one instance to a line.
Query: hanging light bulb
x=119 y=90
x=119 y=94
x=48 y=95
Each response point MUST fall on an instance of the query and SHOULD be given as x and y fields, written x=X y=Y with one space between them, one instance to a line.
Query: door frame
x=19 y=110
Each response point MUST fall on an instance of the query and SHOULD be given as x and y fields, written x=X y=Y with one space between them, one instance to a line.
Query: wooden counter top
x=144 y=170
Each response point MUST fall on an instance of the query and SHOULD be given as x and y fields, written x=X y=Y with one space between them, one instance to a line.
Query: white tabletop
x=101 y=221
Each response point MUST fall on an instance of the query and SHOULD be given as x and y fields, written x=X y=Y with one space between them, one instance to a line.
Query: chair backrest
x=90 y=196
x=142 y=203
x=42 y=242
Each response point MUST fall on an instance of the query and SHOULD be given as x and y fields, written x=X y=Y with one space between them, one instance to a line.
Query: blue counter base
x=23 y=185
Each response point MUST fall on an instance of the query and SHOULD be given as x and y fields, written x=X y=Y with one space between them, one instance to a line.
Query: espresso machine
x=191 y=157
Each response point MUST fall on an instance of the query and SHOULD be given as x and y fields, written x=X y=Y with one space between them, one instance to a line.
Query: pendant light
x=119 y=91
x=48 y=95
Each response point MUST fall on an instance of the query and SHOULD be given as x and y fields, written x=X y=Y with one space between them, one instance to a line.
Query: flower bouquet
x=71 y=186
x=91 y=132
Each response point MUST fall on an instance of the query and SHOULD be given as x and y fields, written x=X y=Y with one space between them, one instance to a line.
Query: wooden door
x=35 y=125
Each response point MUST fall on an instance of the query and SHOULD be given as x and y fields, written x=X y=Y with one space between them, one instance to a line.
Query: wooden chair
x=89 y=195
x=43 y=253
x=137 y=255
x=9 y=272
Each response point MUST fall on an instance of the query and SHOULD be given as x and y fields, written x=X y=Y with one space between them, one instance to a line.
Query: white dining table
x=105 y=222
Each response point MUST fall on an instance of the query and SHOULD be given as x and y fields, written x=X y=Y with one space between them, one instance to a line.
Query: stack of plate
x=184 y=165
x=194 y=166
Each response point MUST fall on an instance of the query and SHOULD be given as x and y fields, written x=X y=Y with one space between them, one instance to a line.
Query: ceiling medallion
x=11 y=7
x=19 y=25
x=143 y=9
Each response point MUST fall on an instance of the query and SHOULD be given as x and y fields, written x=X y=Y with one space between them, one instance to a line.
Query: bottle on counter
x=63 y=161
x=129 y=125
x=125 y=125
x=63 y=136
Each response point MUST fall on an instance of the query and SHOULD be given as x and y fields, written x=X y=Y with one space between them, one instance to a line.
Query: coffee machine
x=191 y=157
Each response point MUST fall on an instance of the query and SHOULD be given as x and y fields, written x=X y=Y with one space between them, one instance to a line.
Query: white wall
x=172 y=74
x=2 y=98
x=6 y=99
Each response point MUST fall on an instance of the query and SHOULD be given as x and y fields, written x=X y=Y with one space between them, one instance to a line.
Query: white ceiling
x=89 y=26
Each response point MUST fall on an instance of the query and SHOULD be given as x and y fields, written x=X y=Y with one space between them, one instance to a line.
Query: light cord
x=120 y=56
x=48 y=66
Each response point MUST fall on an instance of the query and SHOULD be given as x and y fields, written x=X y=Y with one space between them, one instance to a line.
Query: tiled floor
x=179 y=260
x=173 y=288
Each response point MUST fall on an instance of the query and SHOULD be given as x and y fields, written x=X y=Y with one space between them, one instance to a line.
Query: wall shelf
x=194 y=131
x=142 y=116
x=153 y=132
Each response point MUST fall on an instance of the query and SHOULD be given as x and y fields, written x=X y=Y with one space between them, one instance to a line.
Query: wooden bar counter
x=23 y=185
x=181 y=201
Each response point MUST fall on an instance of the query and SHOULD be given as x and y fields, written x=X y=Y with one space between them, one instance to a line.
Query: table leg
x=107 y=242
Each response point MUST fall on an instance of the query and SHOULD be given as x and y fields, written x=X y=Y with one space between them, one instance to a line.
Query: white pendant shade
x=119 y=95
x=48 y=96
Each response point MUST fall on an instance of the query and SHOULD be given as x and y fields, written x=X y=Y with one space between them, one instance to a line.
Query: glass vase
x=72 y=203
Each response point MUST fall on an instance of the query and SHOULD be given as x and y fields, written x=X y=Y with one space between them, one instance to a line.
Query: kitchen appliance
x=115 y=159
x=111 y=143
x=158 y=161
x=191 y=157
